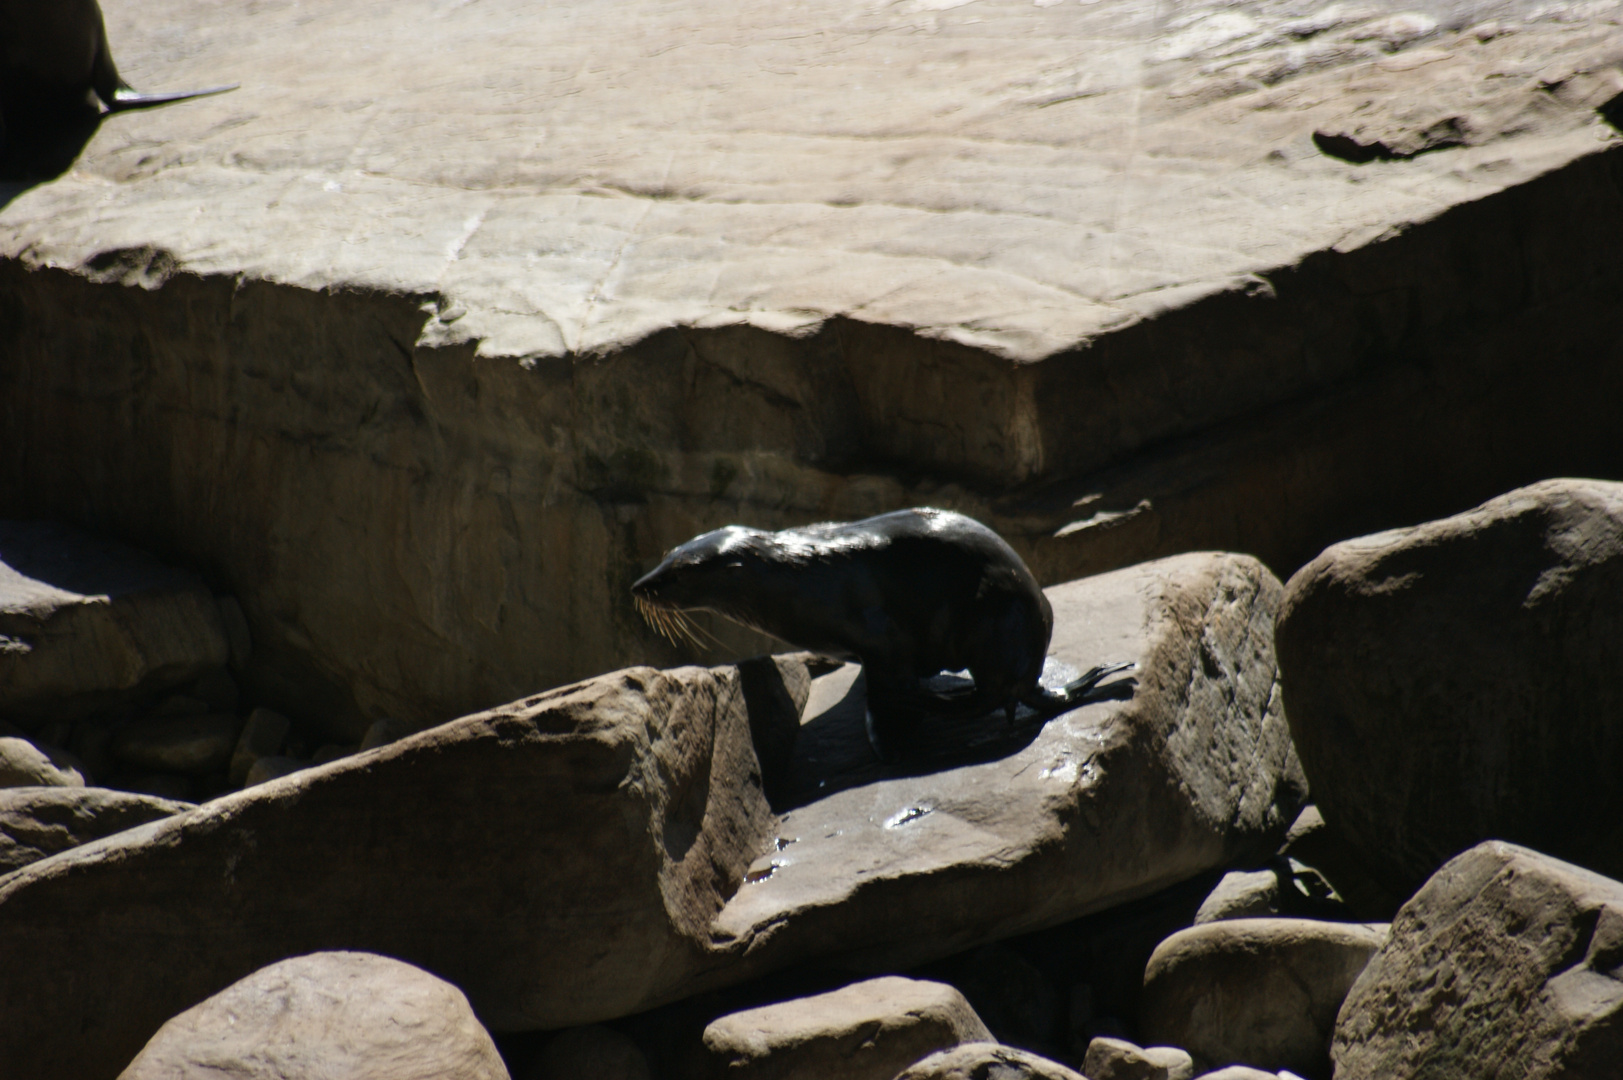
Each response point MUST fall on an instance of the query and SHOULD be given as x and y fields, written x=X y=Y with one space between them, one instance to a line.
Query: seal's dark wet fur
x=909 y=594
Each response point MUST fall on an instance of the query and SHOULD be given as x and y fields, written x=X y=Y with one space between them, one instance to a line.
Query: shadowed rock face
x=630 y=282
x=1458 y=681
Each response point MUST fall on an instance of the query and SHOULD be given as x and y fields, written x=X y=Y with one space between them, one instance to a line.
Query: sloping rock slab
x=345 y=1015
x=559 y=859
x=866 y=1031
x=1261 y=992
x=84 y=621
x=1507 y=965
x=1459 y=681
x=1102 y=804
x=37 y=822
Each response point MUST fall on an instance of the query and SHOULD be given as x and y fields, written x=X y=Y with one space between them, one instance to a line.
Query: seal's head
x=708 y=573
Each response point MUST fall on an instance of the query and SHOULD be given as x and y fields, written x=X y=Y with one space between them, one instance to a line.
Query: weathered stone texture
x=37 y=822
x=344 y=1015
x=1507 y=965
x=559 y=859
x=866 y=1031
x=85 y=622
x=1260 y=992
x=1459 y=681
x=1005 y=832
x=975 y=1060
x=538 y=392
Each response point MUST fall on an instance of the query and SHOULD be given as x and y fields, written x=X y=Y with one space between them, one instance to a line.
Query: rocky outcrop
x=993 y=831
x=1457 y=681
x=348 y=1014
x=1258 y=992
x=595 y=830
x=86 y=623
x=37 y=822
x=866 y=1031
x=502 y=365
x=1506 y=965
x=975 y=1060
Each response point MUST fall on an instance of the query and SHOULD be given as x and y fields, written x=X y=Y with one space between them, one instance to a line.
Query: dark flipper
x=1081 y=691
x=125 y=99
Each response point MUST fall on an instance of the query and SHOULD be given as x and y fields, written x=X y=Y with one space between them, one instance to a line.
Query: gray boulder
x=1506 y=965
x=86 y=623
x=866 y=1031
x=1259 y=992
x=25 y=763
x=1118 y=1059
x=345 y=1015
x=37 y=822
x=1459 y=681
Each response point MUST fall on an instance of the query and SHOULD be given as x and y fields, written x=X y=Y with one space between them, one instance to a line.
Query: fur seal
x=54 y=54
x=908 y=594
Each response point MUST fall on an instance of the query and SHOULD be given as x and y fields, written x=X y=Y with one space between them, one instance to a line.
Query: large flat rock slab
x=1112 y=801
x=1017 y=176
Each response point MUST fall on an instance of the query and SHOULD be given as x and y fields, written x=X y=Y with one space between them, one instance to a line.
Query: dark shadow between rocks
x=833 y=752
x=38 y=146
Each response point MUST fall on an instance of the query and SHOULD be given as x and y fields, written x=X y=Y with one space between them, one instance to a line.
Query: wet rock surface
x=37 y=822
x=1507 y=963
x=1457 y=681
x=595 y=829
x=866 y=1031
x=1056 y=819
x=1259 y=992
x=347 y=1014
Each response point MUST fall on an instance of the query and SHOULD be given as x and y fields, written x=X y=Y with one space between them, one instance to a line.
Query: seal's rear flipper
x=1087 y=688
x=125 y=98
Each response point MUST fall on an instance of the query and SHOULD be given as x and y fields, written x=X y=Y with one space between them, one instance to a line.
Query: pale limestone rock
x=192 y=744
x=1260 y=992
x=24 y=763
x=561 y=859
x=1506 y=965
x=1238 y=1072
x=329 y=1014
x=271 y=767
x=37 y=822
x=1458 y=681
x=1118 y=1059
x=866 y=1031
x=86 y=622
x=262 y=735
x=973 y=1061
x=1039 y=825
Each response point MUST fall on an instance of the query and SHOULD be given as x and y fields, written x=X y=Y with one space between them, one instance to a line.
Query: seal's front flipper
x=125 y=99
x=1087 y=689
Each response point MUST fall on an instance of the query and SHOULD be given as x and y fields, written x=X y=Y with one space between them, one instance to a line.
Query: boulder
x=1005 y=830
x=560 y=859
x=1458 y=681
x=1506 y=965
x=329 y=1014
x=986 y=1060
x=195 y=744
x=25 y=763
x=1239 y=1072
x=37 y=822
x=263 y=734
x=86 y=623
x=1118 y=1059
x=1244 y=894
x=591 y=1051
x=866 y=1031
x=1260 y=992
